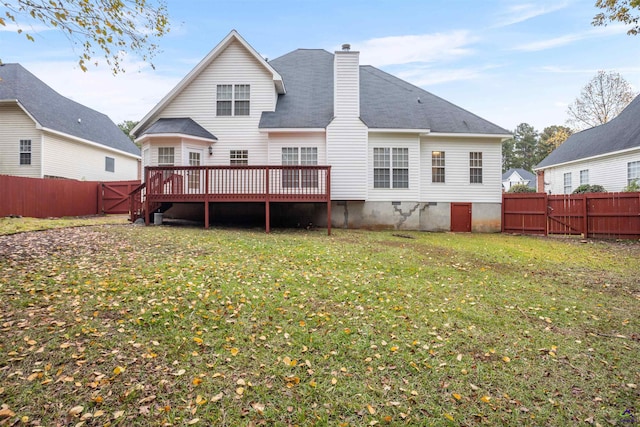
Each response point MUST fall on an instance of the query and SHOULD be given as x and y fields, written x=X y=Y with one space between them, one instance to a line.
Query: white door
x=195 y=177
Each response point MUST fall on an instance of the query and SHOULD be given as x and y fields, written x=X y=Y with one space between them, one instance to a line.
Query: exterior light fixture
x=211 y=150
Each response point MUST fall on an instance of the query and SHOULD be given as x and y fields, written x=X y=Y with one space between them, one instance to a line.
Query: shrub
x=588 y=188
x=633 y=186
x=521 y=188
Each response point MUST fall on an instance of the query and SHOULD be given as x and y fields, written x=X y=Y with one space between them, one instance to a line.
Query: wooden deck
x=210 y=184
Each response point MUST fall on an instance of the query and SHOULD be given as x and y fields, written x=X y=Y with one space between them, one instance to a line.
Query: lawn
x=124 y=325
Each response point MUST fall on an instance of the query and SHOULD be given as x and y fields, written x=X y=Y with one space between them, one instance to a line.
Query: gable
x=620 y=134
x=53 y=111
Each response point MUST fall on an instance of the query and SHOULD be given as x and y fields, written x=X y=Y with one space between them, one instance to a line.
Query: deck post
x=206 y=199
x=328 y=191
x=147 y=205
x=267 y=213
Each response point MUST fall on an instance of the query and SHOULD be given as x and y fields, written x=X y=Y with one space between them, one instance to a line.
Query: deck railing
x=230 y=184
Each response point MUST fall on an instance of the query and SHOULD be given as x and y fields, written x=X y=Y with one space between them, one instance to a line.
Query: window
x=109 y=164
x=437 y=166
x=633 y=172
x=567 y=183
x=390 y=168
x=239 y=157
x=166 y=156
x=233 y=100
x=475 y=167
x=304 y=156
x=25 y=151
x=193 y=176
x=584 y=177
x=309 y=157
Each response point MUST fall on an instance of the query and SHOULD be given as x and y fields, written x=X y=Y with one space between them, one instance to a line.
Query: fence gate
x=115 y=196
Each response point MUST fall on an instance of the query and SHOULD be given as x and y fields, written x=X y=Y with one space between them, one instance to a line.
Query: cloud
x=521 y=12
x=126 y=96
x=571 y=38
x=422 y=48
x=13 y=27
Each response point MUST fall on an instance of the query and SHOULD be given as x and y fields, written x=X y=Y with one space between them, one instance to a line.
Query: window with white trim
x=303 y=156
x=166 y=156
x=238 y=157
x=25 y=151
x=567 y=183
x=584 y=177
x=145 y=157
x=633 y=172
x=390 y=167
x=233 y=100
x=109 y=164
x=437 y=166
x=475 y=167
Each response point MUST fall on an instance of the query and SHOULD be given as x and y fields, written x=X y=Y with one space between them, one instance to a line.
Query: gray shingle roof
x=621 y=133
x=185 y=126
x=58 y=113
x=386 y=102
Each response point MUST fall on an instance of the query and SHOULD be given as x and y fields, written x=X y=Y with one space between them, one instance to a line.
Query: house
x=606 y=155
x=518 y=176
x=45 y=135
x=398 y=156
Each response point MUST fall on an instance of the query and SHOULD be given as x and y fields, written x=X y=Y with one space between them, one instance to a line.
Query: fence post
x=267 y=212
x=585 y=214
x=328 y=191
x=546 y=214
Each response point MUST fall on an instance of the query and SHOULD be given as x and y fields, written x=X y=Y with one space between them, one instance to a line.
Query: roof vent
x=346 y=47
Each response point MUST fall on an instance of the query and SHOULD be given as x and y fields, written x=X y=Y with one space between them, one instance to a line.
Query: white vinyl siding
x=234 y=66
x=278 y=141
x=346 y=91
x=457 y=187
x=71 y=159
x=394 y=172
x=609 y=171
x=348 y=157
x=15 y=126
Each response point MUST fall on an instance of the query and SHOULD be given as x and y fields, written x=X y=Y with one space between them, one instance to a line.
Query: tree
x=603 y=98
x=100 y=27
x=618 y=11
x=550 y=139
x=127 y=126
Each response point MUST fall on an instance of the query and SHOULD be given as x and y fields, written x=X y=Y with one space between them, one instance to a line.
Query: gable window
x=166 y=156
x=567 y=183
x=238 y=157
x=633 y=172
x=109 y=164
x=584 y=177
x=25 y=151
x=390 y=167
x=437 y=166
x=475 y=167
x=233 y=100
x=303 y=156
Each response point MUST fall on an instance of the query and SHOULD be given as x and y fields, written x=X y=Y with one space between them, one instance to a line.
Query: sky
x=507 y=61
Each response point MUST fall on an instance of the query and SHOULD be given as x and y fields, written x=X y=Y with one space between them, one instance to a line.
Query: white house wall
x=16 y=125
x=347 y=142
x=609 y=171
x=383 y=140
x=198 y=101
x=277 y=141
x=457 y=187
x=75 y=160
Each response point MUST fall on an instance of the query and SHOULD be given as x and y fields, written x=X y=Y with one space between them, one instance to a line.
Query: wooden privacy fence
x=44 y=198
x=600 y=215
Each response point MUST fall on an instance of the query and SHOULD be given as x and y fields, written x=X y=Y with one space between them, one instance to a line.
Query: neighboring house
x=607 y=155
x=400 y=157
x=518 y=177
x=45 y=135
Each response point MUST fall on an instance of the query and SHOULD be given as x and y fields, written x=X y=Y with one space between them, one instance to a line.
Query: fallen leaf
x=193 y=421
x=506 y=359
x=456 y=396
x=485 y=399
x=117 y=414
x=259 y=407
x=198 y=341
x=200 y=400
x=196 y=381
x=217 y=397
x=234 y=351
x=76 y=410
x=240 y=391
x=448 y=416
x=334 y=380
x=6 y=413
x=371 y=409
x=118 y=370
